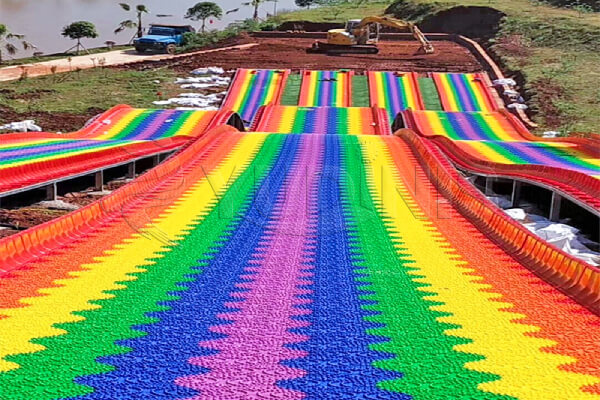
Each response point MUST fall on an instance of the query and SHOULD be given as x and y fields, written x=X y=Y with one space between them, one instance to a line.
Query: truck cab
x=162 y=38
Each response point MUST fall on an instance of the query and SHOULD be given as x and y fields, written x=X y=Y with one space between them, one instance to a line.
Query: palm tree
x=253 y=3
x=140 y=9
x=6 y=42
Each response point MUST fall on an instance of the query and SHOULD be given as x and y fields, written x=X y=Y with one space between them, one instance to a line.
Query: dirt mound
x=291 y=53
x=474 y=22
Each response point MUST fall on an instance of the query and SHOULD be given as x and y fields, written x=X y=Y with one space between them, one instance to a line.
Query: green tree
x=79 y=30
x=202 y=11
x=6 y=41
x=140 y=10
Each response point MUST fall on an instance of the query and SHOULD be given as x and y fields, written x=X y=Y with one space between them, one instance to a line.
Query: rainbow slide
x=394 y=91
x=335 y=263
x=326 y=89
x=464 y=92
x=252 y=88
x=119 y=135
x=492 y=137
x=287 y=266
x=322 y=120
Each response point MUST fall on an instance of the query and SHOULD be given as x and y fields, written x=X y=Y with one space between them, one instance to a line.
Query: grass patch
x=77 y=91
x=336 y=13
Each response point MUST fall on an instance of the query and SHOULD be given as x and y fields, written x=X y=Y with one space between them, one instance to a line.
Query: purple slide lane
x=248 y=362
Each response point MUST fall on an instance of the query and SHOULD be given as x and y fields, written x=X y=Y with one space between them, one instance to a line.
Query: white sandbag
x=550 y=134
x=516 y=213
x=208 y=108
x=500 y=201
x=517 y=106
x=509 y=92
x=205 y=102
x=192 y=95
x=565 y=237
x=208 y=71
x=27 y=125
x=504 y=81
x=196 y=85
x=213 y=79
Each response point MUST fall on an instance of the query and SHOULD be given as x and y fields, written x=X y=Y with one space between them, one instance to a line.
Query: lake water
x=42 y=20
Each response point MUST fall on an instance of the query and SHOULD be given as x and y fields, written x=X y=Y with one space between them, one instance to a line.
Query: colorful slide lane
x=326 y=89
x=394 y=91
x=564 y=156
x=463 y=125
x=252 y=88
x=289 y=266
x=118 y=135
x=465 y=92
x=322 y=120
x=492 y=137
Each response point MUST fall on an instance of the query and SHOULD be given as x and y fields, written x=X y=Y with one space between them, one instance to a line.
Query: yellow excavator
x=361 y=36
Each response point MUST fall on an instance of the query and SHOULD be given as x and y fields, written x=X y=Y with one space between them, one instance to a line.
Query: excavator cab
x=361 y=36
x=352 y=24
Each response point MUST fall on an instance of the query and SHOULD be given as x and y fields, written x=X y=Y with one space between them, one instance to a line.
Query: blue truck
x=162 y=38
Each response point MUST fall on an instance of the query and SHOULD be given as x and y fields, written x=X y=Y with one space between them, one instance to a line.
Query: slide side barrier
x=40 y=240
x=580 y=186
x=591 y=145
x=574 y=277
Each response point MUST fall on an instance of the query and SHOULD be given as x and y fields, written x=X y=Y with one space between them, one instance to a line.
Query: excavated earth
x=291 y=53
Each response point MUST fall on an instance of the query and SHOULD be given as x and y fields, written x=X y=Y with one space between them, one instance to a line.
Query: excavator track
x=326 y=48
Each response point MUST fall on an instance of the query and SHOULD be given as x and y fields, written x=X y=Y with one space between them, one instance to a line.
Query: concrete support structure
x=131 y=170
x=516 y=194
x=155 y=160
x=51 y=192
x=99 y=180
x=489 y=182
x=555 y=207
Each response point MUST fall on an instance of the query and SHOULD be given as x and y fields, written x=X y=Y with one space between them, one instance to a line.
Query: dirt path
x=94 y=60
x=291 y=53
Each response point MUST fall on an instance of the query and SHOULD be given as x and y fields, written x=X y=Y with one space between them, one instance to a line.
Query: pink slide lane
x=247 y=365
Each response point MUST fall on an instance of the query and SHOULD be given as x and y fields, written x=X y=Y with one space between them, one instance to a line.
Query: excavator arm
x=398 y=24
